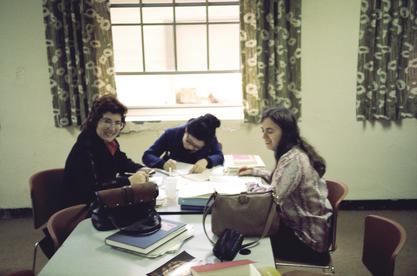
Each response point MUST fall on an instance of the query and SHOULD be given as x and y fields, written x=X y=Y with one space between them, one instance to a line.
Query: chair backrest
x=45 y=188
x=61 y=224
x=383 y=239
x=337 y=191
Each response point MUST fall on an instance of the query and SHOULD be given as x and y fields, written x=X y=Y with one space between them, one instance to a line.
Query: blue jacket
x=170 y=146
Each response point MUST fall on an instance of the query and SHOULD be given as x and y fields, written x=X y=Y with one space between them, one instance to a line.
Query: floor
x=17 y=237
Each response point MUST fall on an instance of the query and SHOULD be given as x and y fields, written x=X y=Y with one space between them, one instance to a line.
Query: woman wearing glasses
x=193 y=143
x=96 y=161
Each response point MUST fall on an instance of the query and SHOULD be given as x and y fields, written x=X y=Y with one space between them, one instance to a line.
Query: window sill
x=183 y=112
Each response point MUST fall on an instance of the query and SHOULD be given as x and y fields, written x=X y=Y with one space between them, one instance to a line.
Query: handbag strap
x=271 y=215
x=207 y=210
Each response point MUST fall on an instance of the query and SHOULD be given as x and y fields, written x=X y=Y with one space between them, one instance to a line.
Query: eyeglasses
x=196 y=147
x=108 y=123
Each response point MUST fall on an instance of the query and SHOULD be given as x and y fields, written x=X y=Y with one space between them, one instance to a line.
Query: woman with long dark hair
x=300 y=190
x=193 y=143
x=96 y=161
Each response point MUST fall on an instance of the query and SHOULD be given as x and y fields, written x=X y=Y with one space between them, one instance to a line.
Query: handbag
x=130 y=209
x=251 y=214
x=238 y=215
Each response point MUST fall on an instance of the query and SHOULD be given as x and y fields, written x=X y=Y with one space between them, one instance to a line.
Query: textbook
x=145 y=244
x=233 y=162
x=235 y=268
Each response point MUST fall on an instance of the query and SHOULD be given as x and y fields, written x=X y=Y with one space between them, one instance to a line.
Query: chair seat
x=324 y=261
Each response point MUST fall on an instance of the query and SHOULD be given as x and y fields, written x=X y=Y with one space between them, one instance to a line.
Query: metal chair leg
x=35 y=250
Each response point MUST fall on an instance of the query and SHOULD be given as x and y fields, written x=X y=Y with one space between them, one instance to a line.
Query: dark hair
x=291 y=137
x=103 y=104
x=204 y=127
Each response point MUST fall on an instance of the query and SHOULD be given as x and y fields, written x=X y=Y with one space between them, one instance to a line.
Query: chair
x=45 y=188
x=24 y=272
x=61 y=224
x=383 y=240
x=380 y=248
x=337 y=191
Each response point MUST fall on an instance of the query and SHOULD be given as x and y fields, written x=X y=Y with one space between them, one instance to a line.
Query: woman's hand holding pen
x=170 y=165
x=243 y=171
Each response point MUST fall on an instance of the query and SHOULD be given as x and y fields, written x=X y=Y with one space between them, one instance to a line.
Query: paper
x=220 y=184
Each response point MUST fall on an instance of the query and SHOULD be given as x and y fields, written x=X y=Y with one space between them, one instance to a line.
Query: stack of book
x=233 y=162
x=171 y=232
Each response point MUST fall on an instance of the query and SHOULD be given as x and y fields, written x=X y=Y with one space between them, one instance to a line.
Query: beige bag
x=251 y=214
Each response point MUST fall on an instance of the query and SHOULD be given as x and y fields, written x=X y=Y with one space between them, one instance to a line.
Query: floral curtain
x=270 y=35
x=387 y=60
x=80 y=56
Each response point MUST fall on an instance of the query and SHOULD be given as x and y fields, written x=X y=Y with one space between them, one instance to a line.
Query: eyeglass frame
x=195 y=147
x=107 y=122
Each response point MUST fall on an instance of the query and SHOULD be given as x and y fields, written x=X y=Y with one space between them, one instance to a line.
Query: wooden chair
x=382 y=241
x=61 y=224
x=45 y=189
x=24 y=272
x=337 y=191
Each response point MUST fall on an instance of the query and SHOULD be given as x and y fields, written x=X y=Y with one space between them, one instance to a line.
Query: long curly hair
x=291 y=137
x=103 y=104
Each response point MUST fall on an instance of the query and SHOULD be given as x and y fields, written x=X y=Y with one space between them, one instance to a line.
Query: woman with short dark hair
x=193 y=143
x=96 y=161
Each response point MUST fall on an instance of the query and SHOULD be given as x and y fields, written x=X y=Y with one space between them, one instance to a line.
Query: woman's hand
x=139 y=177
x=170 y=164
x=199 y=166
x=245 y=171
x=147 y=170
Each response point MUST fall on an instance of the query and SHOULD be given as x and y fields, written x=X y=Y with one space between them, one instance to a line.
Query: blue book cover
x=145 y=244
x=195 y=201
x=192 y=208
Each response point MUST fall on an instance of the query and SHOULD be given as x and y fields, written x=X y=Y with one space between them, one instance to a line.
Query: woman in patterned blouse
x=300 y=190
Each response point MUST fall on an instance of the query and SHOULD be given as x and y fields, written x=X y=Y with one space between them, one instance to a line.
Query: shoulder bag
x=129 y=208
x=238 y=215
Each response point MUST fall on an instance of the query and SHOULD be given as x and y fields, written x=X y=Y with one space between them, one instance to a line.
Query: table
x=214 y=175
x=84 y=252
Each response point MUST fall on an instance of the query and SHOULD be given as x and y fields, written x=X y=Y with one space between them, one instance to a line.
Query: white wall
x=377 y=162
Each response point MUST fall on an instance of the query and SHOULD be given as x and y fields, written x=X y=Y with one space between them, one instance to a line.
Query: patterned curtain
x=387 y=60
x=270 y=35
x=80 y=56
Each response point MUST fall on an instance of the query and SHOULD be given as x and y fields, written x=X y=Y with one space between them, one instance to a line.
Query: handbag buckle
x=243 y=199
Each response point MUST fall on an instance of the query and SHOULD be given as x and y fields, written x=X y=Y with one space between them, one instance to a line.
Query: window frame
x=142 y=113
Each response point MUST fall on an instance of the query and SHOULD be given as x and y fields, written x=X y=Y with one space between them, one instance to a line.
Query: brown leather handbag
x=129 y=208
x=251 y=214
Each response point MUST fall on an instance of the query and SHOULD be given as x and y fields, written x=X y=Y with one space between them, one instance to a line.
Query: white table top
x=84 y=252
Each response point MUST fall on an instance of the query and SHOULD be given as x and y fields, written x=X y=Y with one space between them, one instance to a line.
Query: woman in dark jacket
x=96 y=161
x=193 y=143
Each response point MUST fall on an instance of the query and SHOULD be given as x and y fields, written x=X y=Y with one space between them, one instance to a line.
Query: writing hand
x=170 y=164
x=199 y=166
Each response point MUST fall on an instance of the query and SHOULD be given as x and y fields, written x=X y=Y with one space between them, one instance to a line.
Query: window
x=177 y=59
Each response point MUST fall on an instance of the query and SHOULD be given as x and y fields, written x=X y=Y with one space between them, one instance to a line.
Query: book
x=235 y=268
x=193 y=201
x=233 y=162
x=145 y=244
x=177 y=266
x=192 y=208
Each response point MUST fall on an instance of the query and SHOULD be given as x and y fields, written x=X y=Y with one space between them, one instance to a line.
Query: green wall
x=376 y=161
